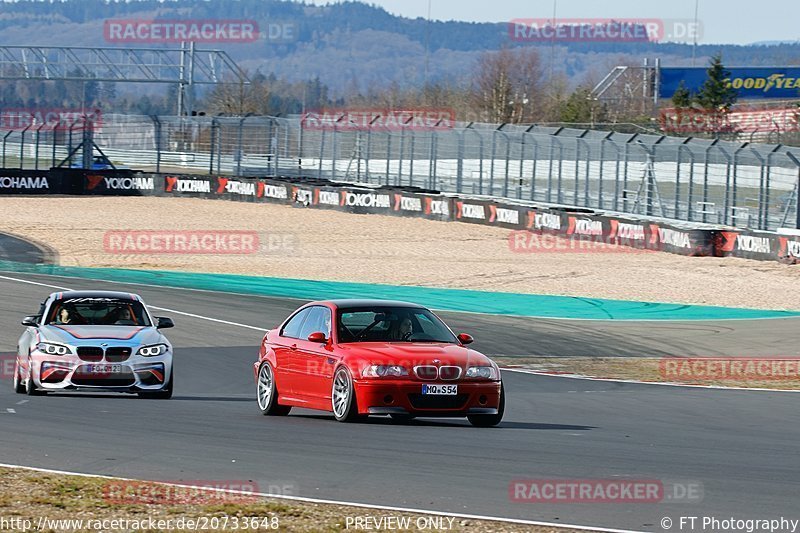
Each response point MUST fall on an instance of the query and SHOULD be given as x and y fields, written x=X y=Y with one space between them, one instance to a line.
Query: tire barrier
x=701 y=240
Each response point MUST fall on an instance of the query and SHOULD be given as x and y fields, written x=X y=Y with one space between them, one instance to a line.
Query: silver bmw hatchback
x=94 y=340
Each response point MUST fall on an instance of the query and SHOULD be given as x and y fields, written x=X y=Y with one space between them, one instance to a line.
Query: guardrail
x=578 y=224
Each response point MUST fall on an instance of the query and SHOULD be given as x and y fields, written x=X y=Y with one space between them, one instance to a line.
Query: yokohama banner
x=569 y=223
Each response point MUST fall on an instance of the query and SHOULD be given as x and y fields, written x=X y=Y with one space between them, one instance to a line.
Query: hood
x=413 y=354
x=73 y=335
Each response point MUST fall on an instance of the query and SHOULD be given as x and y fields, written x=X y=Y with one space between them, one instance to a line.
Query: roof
x=351 y=303
x=98 y=294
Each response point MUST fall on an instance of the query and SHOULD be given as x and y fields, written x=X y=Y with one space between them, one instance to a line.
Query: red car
x=367 y=357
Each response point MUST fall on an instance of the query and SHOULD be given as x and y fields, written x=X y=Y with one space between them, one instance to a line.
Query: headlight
x=384 y=371
x=485 y=372
x=53 y=349
x=153 y=350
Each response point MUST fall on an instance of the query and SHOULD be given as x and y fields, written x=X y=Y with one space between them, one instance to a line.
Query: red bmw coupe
x=369 y=357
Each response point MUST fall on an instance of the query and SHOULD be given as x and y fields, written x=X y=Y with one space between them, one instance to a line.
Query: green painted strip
x=496 y=303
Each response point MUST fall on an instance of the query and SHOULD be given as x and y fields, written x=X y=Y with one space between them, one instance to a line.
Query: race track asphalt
x=740 y=446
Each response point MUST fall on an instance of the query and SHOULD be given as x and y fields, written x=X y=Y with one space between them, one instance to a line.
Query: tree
x=683 y=97
x=716 y=93
x=507 y=84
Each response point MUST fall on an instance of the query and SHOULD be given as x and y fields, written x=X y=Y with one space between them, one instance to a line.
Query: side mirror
x=318 y=337
x=464 y=338
x=163 y=322
x=31 y=321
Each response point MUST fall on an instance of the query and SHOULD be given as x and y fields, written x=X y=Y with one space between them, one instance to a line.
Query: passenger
x=64 y=316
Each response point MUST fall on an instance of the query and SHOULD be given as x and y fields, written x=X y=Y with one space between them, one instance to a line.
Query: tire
x=402 y=417
x=30 y=387
x=343 y=397
x=267 y=393
x=19 y=387
x=486 y=421
x=163 y=394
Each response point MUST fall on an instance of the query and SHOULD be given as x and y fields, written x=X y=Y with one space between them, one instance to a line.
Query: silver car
x=94 y=340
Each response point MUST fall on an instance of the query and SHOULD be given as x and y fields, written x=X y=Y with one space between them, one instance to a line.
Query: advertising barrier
x=574 y=224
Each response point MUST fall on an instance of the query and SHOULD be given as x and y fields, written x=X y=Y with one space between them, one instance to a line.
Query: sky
x=723 y=21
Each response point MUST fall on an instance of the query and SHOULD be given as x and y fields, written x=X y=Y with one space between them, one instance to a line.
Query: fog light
x=482 y=400
x=388 y=399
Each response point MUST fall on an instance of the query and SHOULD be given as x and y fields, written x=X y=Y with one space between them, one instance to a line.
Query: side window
x=319 y=319
x=292 y=328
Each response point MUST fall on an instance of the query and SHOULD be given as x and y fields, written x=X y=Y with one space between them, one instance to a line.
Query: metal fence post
x=22 y=147
x=735 y=191
x=321 y=152
x=157 y=137
x=36 y=156
x=690 y=192
x=460 y=161
x=580 y=141
x=212 y=144
x=5 y=138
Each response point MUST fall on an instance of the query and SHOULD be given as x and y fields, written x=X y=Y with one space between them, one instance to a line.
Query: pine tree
x=716 y=94
x=682 y=97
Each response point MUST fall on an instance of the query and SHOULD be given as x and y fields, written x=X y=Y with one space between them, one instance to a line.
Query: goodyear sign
x=749 y=82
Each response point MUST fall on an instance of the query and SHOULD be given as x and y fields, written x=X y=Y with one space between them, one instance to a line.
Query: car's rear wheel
x=485 y=421
x=267 y=393
x=19 y=387
x=163 y=394
x=343 y=397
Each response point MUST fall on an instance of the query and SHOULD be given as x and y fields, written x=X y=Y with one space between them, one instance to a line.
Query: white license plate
x=440 y=390
x=105 y=369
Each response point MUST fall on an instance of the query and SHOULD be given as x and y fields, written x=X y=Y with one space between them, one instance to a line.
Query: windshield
x=97 y=311
x=391 y=324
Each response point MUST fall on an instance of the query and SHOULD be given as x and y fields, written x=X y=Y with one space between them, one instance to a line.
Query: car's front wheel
x=19 y=387
x=267 y=393
x=30 y=386
x=343 y=397
x=485 y=421
x=163 y=394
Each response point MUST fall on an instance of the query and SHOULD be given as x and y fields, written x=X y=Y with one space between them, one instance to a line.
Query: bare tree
x=508 y=85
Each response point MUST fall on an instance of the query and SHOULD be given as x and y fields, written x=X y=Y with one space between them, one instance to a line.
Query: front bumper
x=404 y=397
x=69 y=372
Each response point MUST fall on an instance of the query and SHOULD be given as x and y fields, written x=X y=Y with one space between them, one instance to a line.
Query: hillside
x=352 y=45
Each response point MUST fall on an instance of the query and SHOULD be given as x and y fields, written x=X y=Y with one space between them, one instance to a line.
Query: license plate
x=105 y=369
x=440 y=390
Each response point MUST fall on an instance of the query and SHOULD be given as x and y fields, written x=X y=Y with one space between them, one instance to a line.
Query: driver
x=402 y=330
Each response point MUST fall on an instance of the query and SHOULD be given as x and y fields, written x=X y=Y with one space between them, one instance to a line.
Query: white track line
x=150 y=306
x=637 y=382
x=510 y=315
x=334 y=502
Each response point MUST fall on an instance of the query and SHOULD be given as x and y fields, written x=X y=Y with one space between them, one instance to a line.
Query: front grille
x=118 y=354
x=91 y=354
x=449 y=373
x=426 y=372
x=123 y=379
x=430 y=401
